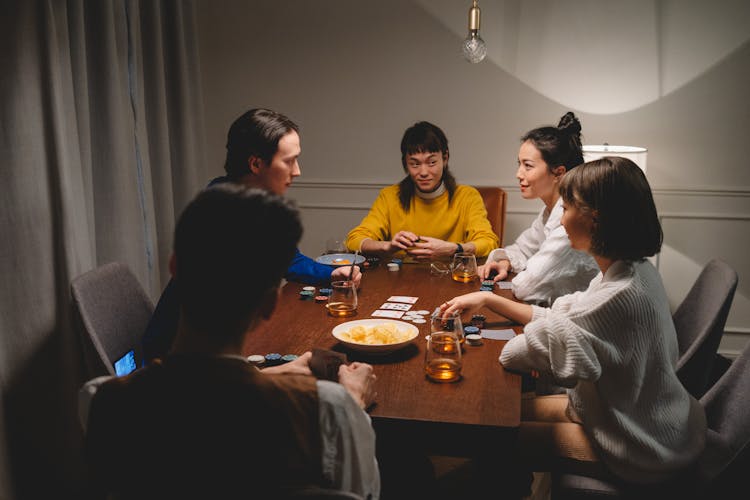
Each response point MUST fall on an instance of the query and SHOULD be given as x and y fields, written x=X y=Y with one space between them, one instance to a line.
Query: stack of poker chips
x=487 y=286
x=472 y=336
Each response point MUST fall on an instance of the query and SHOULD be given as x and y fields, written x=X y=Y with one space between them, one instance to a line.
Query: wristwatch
x=459 y=248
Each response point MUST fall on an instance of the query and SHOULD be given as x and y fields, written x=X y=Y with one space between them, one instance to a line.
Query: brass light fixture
x=473 y=47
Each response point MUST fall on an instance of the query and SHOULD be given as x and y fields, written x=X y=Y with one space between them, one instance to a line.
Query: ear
x=255 y=164
x=268 y=303
x=558 y=171
x=446 y=155
x=173 y=265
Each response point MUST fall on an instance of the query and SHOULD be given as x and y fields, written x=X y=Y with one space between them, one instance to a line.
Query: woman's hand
x=427 y=248
x=465 y=303
x=501 y=268
x=299 y=366
x=359 y=379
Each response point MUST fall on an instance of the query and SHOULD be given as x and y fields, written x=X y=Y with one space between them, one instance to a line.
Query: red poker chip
x=321 y=298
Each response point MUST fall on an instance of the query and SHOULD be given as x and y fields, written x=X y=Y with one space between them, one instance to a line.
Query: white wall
x=355 y=74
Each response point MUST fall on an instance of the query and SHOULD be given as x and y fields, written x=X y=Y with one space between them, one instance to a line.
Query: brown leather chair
x=495 y=200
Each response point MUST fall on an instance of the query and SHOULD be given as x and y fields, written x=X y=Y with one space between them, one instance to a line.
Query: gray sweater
x=615 y=345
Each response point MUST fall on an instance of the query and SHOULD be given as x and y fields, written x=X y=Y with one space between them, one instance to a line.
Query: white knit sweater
x=616 y=346
x=546 y=264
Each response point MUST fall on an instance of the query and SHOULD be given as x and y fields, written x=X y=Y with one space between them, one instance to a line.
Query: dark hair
x=423 y=137
x=626 y=225
x=255 y=133
x=559 y=145
x=222 y=271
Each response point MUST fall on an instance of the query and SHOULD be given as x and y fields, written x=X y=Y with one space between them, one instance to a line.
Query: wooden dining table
x=462 y=418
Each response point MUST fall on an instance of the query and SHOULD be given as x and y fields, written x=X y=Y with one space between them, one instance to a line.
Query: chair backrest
x=113 y=311
x=727 y=454
x=495 y=200
x=700 y=320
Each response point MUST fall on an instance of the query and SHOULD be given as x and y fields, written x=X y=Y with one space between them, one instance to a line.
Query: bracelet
x=459 y=248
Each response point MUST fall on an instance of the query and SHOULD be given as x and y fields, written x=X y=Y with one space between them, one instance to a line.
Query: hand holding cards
x=325 y=364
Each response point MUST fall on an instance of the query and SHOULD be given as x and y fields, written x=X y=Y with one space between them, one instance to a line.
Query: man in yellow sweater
x=427 y=216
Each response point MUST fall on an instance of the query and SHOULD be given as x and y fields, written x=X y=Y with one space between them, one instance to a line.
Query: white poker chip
x=419 y=320
x=311 y=288
x=422 y=312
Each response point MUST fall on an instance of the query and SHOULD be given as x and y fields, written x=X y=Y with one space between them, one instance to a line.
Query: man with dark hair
x=263 y=149
x=203 y=422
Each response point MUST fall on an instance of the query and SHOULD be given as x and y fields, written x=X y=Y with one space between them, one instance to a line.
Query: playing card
x=387 y=314
x=395 y=306
x=403 y=298
x=325 y=363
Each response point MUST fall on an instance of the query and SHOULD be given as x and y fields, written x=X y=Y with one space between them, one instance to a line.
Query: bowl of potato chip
x=375 y=336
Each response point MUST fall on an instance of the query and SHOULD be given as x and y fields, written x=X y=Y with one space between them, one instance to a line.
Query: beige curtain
x=101 y=144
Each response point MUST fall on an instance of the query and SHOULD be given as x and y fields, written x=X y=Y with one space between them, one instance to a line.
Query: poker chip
x=485 y=288
x=392 y=266
x=419 y=320
x=256 y=359
x=321 y=298
x=273 y=358
x=478 y=320
x=488 y=283
x=325 y=291
x=471 y=330
x=306 y=294
x=397 y=261
x=474 y=339
x=422 y=312
x=288 y=357
x=309 y=288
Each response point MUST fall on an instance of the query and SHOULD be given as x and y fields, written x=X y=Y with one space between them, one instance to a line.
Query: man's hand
x=359 y=379
x=341 y=273
x=300 y=366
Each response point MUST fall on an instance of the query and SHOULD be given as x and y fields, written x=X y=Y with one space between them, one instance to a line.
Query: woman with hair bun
x=546 y=265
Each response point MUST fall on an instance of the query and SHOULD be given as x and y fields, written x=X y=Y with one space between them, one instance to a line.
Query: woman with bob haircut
x=427 y=215
x=546 y=265
x=625 y=416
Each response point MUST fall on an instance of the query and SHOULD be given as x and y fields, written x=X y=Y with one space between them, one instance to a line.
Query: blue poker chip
x=488 y=283
x=325 y=291
x=471 y=330
x=485 y=288
x=397 y=261
x=273 y=358
x=288 y=357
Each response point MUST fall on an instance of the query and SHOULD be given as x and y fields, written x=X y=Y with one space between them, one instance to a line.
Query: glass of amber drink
x=442 y=322
x=343 y=299
x=464 y=267
x=442 y=362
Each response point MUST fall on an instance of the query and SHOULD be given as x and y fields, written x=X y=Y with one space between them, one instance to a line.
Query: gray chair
x=320 y=493
x=112 y=311
x=699 y=321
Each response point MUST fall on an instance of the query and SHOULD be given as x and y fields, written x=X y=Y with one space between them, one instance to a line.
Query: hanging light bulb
x=473 y=46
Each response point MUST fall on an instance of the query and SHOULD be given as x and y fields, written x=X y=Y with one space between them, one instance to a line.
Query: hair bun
x=569 y=123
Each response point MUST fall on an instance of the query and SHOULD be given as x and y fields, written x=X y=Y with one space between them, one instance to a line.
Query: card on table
x=394 y=306
x=504 y=285
x=403 y=298
x=505 y=334
x=387 y=314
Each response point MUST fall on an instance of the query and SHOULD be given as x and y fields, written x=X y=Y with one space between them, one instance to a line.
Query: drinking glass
x=464 y=267
x=343 y=299
x=334 y=245
x=442 y=359
x=441 y=322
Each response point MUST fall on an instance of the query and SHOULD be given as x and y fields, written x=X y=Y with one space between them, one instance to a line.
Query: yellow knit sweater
x=464 y=220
